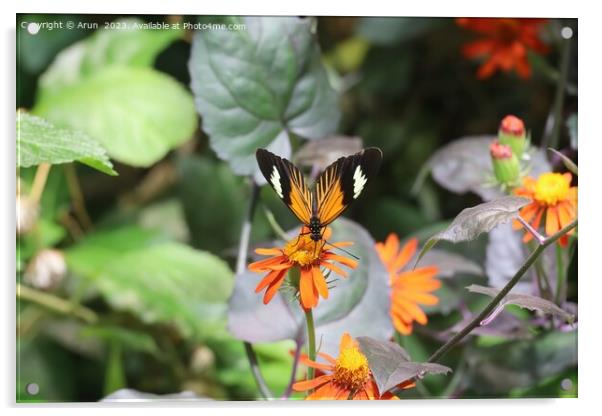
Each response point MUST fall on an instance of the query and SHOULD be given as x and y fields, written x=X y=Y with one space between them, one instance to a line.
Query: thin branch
x=553 y=138
x=241 y=265
x=540 y=238
x=55 y=303
x=476 y=321
x=289 y=388
x=77 y=197
x=39 y=182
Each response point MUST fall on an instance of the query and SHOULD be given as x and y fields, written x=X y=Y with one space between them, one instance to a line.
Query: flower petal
x=552 y=223
x=306 y=289
x=319 y=282
x=334 y=268
x=406 y=253
x=312 y=384
x=272 y=289
x=268 y=279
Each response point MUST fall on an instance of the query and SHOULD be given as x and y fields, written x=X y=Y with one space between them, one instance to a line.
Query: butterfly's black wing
x=288 y=182
x=343 y=182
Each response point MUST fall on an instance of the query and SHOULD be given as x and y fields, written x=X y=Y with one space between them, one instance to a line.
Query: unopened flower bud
x=46 y=270
x=512 y=133
x=27 y=214
x=202 y=359
x=505 y=164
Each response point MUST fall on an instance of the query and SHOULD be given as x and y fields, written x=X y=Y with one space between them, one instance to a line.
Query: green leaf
x=127 y=338
x=390 y=364
x=137 y=114
x=524 y=301
x=254 y=87
x=127 y=43
x=160 y=282
x=39 y=141
x=204 y=185
x=494 y=371
x=472 y=222
x=358 y=304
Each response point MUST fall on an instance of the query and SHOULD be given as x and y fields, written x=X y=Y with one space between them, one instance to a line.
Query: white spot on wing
x=275 y=180
x=359 y=180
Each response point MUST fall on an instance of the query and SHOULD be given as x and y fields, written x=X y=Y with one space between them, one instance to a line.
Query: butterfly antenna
x=343 y=250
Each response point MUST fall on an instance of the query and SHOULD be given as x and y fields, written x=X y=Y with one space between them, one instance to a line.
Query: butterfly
x=335 y=189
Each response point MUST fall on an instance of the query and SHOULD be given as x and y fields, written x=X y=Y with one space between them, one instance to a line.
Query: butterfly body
x=335 y=189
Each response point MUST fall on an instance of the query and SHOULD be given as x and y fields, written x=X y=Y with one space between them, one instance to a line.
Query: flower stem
x=241 y=265
x=560 y=277
x=311 y=340
x=56 y=304
x=39 y=182
x=476 y=321
x=560 y=91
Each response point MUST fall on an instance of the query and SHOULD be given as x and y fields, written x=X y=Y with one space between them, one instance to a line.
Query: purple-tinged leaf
x=524 y=301
x=472 y=222
x=390 y=364
x=464 y=165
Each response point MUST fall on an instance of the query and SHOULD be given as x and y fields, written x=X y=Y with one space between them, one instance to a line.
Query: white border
x=590 y=208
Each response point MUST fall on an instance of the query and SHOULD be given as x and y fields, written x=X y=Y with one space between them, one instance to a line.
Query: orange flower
x=504 y=45
x=553 y=195
x=308 y=256
x=408 y=288
x=347 y=377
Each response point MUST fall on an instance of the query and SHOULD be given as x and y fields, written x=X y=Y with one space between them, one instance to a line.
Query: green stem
x=560 y=90
x=498 y=298
x=311 y=341
x=561 y=275
x=55 y=303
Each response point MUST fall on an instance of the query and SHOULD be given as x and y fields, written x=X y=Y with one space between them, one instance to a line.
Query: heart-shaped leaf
x=390 y=364
x=255 y=86
x=39 y=141
x=471 y=222
x=358 y=304
x=524 y=301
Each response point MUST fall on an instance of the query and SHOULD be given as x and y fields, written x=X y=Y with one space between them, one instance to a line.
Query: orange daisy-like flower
x=307 y=255
x=504 y=44
x=552 y=195
x=408 y=288
x=346 y=377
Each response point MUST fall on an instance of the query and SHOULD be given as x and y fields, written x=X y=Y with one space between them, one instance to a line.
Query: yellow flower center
x=551 y=188
x=351 y=369
x=302 y=250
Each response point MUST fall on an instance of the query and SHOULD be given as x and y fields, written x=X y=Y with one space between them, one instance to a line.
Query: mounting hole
x=566 y=384
x=566 y=32
x=32 y=389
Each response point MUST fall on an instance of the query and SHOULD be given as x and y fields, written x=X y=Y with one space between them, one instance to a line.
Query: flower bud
x=505 y=164
x=27 y=214
x=512 y=133
x=46 y=270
